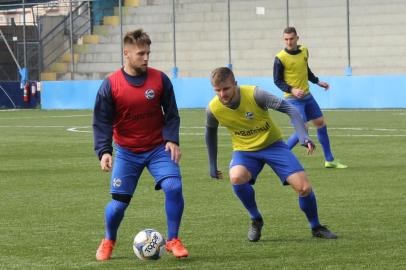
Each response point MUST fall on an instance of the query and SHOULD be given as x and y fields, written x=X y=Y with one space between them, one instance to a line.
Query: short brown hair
x=290 y=30
x=138 y=37
x=220 y=75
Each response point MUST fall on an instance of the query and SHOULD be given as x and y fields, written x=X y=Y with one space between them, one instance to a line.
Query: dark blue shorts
x=278 y=156
x=128 y=166
x=307 y=107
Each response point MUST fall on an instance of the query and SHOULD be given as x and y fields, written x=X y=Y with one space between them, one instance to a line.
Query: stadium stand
x=376 y=36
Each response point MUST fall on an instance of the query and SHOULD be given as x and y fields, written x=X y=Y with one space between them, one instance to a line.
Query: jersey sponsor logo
x=141 y=116
x=149 y=94
x=254 y=131
x=117 y=182
x=249 y=115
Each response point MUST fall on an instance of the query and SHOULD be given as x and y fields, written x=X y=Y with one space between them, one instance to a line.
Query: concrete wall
x=377 y=36
x=346 y=92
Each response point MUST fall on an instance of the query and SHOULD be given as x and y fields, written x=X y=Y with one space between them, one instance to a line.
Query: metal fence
x=38 y=34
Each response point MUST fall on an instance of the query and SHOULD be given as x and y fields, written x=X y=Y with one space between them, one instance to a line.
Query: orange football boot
x=105 y=250
x=177 y=248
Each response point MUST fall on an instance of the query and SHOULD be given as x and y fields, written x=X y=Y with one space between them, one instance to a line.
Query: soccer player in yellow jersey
x=291 y=74
x=257 y=141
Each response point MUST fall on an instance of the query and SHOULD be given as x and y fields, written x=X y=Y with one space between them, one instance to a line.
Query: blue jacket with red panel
x=137 y=112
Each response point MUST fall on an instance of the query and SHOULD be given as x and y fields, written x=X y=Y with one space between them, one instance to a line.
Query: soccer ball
x=149 y=244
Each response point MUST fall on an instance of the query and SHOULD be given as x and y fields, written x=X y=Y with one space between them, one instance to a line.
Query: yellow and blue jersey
x=291 y=70
x=250 y=126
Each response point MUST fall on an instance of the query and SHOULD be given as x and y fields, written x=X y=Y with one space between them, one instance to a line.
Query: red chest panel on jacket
x=138 y=122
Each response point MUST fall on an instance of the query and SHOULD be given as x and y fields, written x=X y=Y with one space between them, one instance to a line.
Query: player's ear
x=125 y=51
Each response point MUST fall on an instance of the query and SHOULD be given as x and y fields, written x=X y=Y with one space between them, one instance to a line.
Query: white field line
x=78 y=129
x=85 y=129
x=330 y=135
x=74 y=129
x=26 y=126
x=49 y=116
x=330 y=128
x=10 y=110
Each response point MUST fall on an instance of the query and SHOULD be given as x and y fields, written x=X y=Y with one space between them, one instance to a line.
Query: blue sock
x=173 y=205
x=292 y=141
x=246 y=194
x=308 y=205
x=113 y=216
x=325 y=143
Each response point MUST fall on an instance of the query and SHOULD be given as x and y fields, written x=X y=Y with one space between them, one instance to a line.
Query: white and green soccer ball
x=149 y=244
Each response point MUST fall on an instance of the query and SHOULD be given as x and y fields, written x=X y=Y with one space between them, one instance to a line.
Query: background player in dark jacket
x=291 y=74
x=136 y=107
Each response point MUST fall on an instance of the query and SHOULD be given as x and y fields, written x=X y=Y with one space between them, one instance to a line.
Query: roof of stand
x=7 y=4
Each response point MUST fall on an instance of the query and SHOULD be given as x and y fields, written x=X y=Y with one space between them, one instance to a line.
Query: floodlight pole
x=175 y=68
x=89 y=16
x=24 y=38
x=230 y=65
x=72 y=56
x=120 y=14
x=348 y=69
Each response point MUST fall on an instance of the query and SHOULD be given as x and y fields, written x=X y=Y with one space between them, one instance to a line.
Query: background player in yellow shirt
x=257 y=141
x=291 y=74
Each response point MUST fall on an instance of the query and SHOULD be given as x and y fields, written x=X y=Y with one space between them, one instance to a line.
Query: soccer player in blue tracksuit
x=257 y=141
x=136 y=107
x=291 y=74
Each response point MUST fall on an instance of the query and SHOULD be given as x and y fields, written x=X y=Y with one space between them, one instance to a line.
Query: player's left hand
x=310 y=146
x=217 y=174
x=325 y=85
x=174 y=149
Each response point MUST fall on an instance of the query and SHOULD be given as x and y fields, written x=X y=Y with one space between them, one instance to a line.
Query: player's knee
x=319 y=122
x=304 y=190
x=237 y=179
x=239 y=175
x=172 y=185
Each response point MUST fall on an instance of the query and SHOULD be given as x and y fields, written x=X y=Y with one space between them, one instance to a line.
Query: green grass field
x=53 y=194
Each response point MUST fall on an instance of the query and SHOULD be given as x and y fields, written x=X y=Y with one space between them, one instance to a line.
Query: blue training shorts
x=278 y=156
x=128 y=166
x=307 y=107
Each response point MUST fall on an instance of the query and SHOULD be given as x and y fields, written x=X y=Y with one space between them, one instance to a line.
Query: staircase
x=201 y=38
x=94 y=56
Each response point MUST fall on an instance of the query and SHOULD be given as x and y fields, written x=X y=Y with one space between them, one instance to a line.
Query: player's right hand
x=297 y=92
x=216 y=174
x=325 y=85
x=310 y=146
x=106 y=162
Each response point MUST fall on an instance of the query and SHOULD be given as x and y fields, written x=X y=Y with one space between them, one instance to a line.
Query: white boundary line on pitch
x=67 y=127
x=49 y=116
x=10 y=126
x=10 y=110
x=75 y=129
x=330 y=128
x=78 y=130
x=330 y=135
